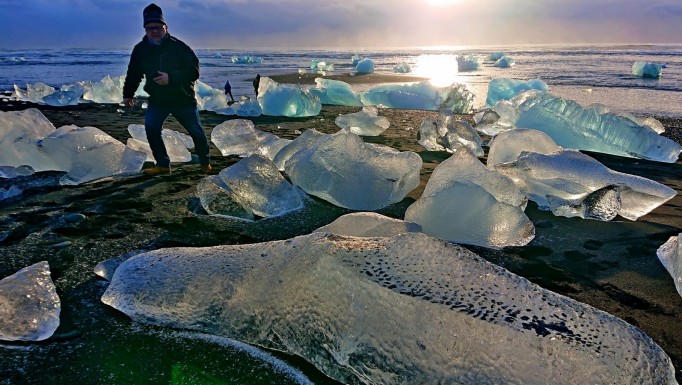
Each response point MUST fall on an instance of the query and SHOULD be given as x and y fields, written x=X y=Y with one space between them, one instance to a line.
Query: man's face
x=156 y=31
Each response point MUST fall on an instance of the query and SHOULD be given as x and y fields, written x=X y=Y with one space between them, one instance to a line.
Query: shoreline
x=609 y=265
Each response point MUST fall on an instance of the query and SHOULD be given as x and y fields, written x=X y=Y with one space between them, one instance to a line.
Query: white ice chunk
x=33 y=93
x=447 y=133
x=347 y=172
x=368 y=224
x=464 y=202
x=508 y=145
x=19 y=133
x=366 y=122
x=647 y=69
x=499 y=118
x=504 y=62
x=247 y=59
x=420 y=96
x=400 y=310
x=176 y=143
x=240 y=137
x=505 y=89
x=495 y=56
x=335 y=92
x=570 y=184
x=573 y=126
x=670 y=255
x=286 y=100
x=402 y=68
x=88 y=153
x=260 y=188
x=364 y=66
x=29 y=304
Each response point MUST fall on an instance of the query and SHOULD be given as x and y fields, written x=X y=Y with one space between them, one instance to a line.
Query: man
x=228 y=90
x=170 y=68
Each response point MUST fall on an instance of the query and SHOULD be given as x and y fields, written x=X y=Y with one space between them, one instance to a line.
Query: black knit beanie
x=152 y=14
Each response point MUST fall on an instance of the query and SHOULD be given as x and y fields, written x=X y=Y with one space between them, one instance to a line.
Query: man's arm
x=133 y=77
x=189 y=70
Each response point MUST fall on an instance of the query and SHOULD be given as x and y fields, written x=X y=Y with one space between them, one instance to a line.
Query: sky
x=326 y=24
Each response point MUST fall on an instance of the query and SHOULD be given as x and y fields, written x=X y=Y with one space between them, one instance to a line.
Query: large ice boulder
x=19 y=133
x=369 y=224
x=364 y=66
x=286 y=100
x=464 y=202
x=420 y=96
x=575 y=127
x=447 y=133
x=177 y=144
x=335 y=92
x=240 y=137
x=29 y=304
x=505 y=89
x=647 y=69
x=347 y=172
x=570 y=183
x=365 y=122
x=303 y=141
x=670 y=255
x=88 y=153
x=409 y=309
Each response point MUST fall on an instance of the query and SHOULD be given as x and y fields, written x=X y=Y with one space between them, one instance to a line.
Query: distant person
x=228 y=90
x=256 y=83
x=171 y=69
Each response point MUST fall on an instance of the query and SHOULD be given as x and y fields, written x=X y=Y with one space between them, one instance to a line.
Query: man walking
x=170 y=68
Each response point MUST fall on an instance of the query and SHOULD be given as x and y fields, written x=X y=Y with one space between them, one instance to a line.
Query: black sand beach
x=609 y=265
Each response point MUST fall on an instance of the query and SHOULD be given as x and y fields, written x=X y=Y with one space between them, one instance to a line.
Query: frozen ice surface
x=9 y=172
x=364 y=66
x=409 y=309
x=420 y=96
x=88 y=153
x=576 y=127
x=647 y=69
x=335 y=92
x=19 y=133
x=468 y=63
x=508 y=145
x=447 y=133
x=303 y=141
x=505 y=89
x=464 y=202
x=247 y=59
x=176 y=143
x=33 y=93
x=108 y=90
x=29 y=304
x=240 y=137
x=258 y=186
x=570 y=183
x=286 y=100
x=347 y=172
x=670 y=255
x=217 y=199
x=504 y=62
x=366 y=122
x=368 y=224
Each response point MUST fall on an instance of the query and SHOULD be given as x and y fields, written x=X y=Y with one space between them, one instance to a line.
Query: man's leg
x=189 y=119
x=153 y=124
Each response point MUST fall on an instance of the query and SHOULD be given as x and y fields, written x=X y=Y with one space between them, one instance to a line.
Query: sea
x=587 y=74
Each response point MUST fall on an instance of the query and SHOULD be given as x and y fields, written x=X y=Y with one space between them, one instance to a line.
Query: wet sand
x=609 y=265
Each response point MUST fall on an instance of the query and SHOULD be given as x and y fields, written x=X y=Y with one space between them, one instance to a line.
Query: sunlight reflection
x=440 y=69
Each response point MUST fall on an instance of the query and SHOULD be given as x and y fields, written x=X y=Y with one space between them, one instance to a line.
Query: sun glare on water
x=440 y=69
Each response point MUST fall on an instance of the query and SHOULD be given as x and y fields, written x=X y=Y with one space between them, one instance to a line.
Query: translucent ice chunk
x=29 y=304
x=177 y=143
x=505 y=89
x=464 y=202
x=286 y=100
x=420 y=96
x=448 y=133
x=366 y=224
x=335 y=92
x=406 y=309
x=670 y=255
x=647 y=70
x=508 y=145
x=19 y=133
x=366 y=122
x=240 y=137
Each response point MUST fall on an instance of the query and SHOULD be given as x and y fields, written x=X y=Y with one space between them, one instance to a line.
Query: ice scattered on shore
x=240 y=137
x=447 y=133
x=505 y=89
x=366 y=122
x=368 y=224
x=29 y=304
x=647 y=69
x=177 y=144
x=386 y=310
x=670 y=255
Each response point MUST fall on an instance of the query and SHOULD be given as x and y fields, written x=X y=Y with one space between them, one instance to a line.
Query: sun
x=442 y=2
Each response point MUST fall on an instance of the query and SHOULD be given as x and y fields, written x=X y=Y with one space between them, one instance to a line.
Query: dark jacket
x=171 y=56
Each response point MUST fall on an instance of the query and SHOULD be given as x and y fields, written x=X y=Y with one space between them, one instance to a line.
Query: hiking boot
x=156 y=170
x=206 y=168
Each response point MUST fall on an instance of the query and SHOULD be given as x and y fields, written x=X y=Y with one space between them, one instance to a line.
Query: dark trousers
x=188 y=117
